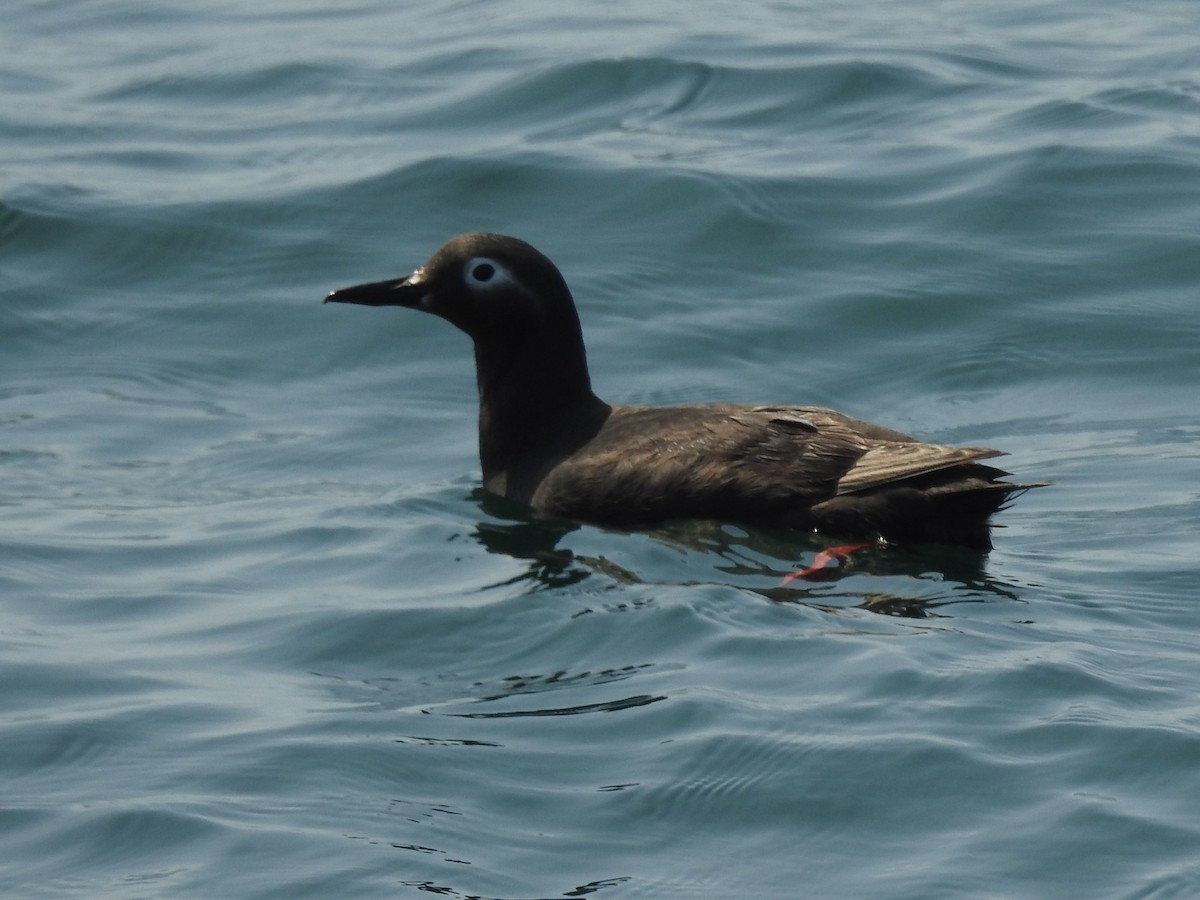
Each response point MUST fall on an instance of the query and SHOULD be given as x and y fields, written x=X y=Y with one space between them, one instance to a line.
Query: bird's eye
x=483 y=272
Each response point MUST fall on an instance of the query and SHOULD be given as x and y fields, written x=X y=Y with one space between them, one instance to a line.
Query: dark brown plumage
x=545 y=439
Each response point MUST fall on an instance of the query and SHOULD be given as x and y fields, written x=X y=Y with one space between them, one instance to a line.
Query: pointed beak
x=409 y=291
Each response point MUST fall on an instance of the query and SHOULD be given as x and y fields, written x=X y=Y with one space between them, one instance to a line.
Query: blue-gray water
x=262 y=636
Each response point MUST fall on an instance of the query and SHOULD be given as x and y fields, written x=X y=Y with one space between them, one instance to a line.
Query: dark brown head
x=493 y=287
x=529 y=357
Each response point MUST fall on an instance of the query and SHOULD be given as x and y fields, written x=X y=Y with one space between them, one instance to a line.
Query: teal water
x=261 y=635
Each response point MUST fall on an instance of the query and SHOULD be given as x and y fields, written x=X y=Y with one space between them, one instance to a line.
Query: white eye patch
x=484 y=273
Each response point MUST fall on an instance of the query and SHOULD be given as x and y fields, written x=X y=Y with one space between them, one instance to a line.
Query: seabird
x=545 y=439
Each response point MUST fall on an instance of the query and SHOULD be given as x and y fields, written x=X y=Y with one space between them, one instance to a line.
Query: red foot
x=822 y=561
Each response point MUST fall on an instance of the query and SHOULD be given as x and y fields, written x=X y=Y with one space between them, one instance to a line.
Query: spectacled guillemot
x=546 y=440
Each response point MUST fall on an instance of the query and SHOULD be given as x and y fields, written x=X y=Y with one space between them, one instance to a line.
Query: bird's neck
x=536 y=407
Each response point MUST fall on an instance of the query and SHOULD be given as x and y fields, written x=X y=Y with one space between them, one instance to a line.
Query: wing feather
x=886 y=462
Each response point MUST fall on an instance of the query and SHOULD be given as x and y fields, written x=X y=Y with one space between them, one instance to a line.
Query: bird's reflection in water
x=747 y=556
x=514 y=531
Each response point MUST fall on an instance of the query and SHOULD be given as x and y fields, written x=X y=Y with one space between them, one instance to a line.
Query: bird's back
x=795 y=467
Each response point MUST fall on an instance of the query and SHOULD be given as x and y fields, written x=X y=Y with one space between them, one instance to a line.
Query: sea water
x=263 y=635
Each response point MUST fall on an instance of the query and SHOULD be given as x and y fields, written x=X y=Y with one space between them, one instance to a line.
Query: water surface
x=262 y=633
